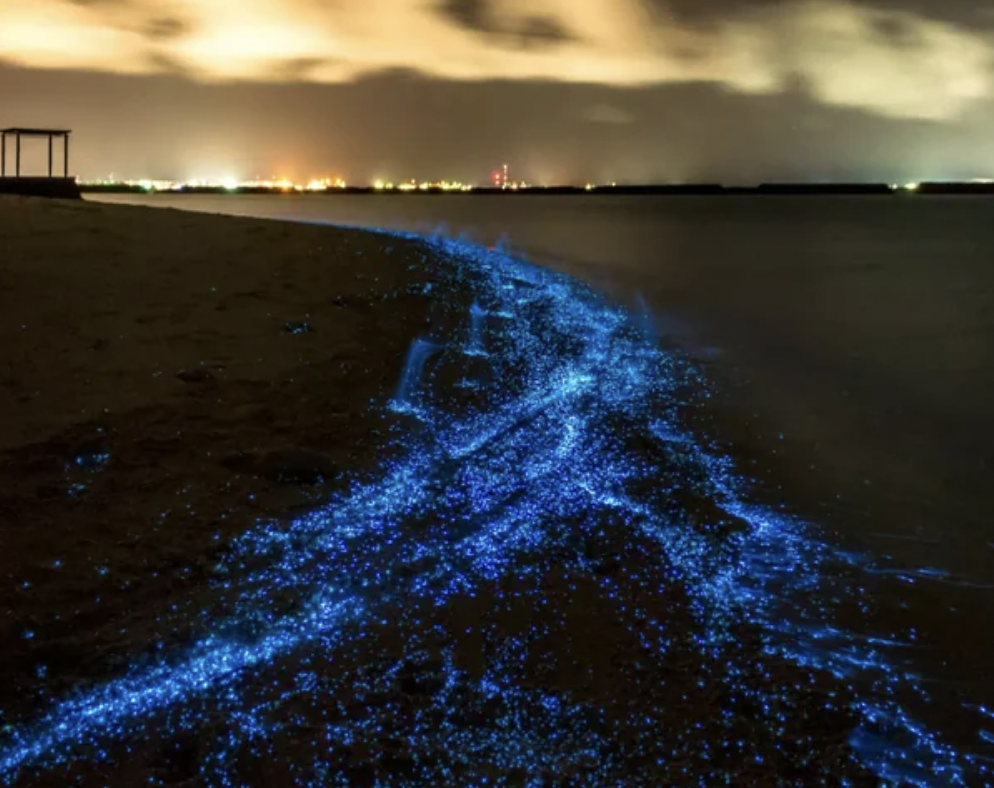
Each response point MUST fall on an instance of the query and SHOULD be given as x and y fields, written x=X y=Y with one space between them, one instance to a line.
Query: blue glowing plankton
x=556 y=583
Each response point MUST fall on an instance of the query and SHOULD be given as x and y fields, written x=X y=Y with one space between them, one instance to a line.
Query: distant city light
x=229 y=184
x=312 y=185
x=424 y=186
x=323 y=184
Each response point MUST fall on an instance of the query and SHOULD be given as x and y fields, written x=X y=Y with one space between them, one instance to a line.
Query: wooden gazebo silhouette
x=17 y=133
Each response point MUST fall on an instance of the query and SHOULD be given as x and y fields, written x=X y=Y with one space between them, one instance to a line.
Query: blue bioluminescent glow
x=414 y=368
x=432 y=626
x=475 y=343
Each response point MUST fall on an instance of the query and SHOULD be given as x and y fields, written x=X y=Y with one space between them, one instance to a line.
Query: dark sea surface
x=849 y=342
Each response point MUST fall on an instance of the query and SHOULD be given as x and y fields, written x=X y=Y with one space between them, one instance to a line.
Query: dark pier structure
x=36 y=186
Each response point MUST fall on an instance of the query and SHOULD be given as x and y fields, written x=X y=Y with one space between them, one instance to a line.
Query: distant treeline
x=696 y=189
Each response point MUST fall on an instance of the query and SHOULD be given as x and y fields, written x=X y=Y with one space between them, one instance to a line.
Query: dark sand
x=167 y=380
x=166 y=342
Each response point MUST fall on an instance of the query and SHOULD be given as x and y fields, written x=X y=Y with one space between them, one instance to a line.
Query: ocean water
x=849 y=345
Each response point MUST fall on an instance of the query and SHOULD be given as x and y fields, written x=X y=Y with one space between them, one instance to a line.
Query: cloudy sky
x=564 y=90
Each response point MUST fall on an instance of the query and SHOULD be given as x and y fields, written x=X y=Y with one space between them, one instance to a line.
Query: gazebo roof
x=38 y=132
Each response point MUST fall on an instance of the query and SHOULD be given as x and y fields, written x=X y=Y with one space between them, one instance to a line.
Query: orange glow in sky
x=938 y=70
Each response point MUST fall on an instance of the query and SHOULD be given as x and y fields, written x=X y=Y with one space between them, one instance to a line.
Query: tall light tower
x=504 y=182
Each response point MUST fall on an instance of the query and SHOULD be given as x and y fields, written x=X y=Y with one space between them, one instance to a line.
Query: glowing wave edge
x=416 y=630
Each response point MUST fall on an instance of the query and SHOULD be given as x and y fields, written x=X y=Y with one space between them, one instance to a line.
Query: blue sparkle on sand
x=576 y=436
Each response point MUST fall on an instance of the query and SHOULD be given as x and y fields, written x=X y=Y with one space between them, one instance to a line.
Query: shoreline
x=924 y=189
x=517 y=425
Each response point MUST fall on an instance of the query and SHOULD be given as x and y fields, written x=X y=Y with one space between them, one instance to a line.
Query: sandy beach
x=297 y=505
x=167 y=379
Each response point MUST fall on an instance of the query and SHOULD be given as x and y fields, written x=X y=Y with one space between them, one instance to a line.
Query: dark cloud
x=166 y=27
x=167 y=64
x=484 y=17
x=967 y=13
x=897 y=31
x=958 y=12
x=694 y=12
x=541 y=31
x=300 y=69
x=471 y=14
x=124 y=13
x=177 y=128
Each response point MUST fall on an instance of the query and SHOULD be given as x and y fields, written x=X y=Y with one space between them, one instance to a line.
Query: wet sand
x=848 y=345
x=183 y=395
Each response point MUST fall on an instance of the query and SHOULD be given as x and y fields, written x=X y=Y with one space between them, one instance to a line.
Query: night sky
x=563 y=90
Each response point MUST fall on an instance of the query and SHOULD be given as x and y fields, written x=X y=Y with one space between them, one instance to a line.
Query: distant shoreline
x=684 y=190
